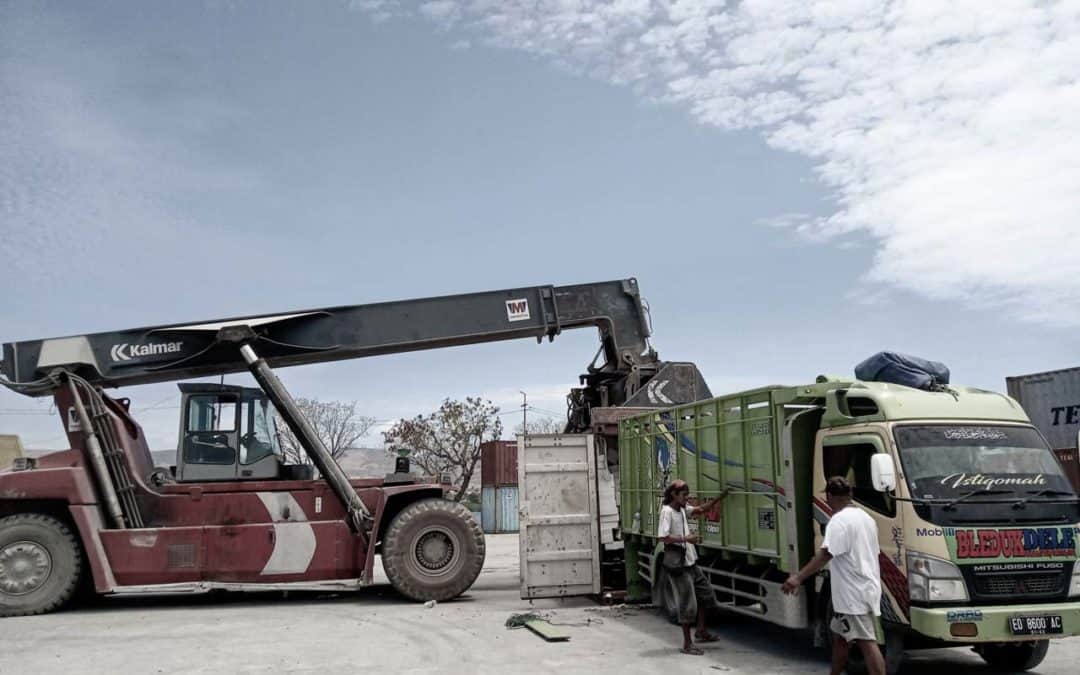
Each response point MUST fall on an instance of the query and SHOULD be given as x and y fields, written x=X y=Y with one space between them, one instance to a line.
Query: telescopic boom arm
x=181 y=351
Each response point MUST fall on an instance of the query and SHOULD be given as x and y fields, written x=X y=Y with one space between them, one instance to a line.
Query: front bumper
x=992 y=623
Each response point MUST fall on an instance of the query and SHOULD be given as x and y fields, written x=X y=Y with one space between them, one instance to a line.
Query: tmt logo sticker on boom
x=1038 y=542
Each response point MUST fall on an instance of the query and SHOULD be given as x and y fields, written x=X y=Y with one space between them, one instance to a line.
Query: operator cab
x=227 y=433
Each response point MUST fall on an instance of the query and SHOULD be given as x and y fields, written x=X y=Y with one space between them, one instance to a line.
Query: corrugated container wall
x=498 y=463
x=1052 y=401
x=499 y=509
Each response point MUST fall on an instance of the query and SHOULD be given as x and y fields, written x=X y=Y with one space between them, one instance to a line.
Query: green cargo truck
x=977 y=520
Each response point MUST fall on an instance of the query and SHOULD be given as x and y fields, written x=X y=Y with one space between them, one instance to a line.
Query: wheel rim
x=436 y=551
x=24 y=567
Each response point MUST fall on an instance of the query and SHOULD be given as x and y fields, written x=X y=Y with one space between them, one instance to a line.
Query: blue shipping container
x=507 y=516
x=487 y=509
x=499 y=509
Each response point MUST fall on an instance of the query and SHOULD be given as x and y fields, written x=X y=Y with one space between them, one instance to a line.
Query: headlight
x=932 y=579
x=1074 y=587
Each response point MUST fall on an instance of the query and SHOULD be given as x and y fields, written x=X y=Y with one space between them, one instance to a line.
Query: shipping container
x=1052 y=401
x=1070 y=461
x=487 y=509
x=499 y=509
x=498 y=463
x=559 y=545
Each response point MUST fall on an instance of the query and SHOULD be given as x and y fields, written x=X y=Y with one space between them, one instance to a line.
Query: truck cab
x=978 y=530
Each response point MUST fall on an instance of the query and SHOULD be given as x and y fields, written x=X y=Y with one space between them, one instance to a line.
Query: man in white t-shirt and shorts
x=851 y=550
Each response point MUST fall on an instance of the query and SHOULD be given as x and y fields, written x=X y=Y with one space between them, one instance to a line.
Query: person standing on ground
x=686 y=582
x=851 y=549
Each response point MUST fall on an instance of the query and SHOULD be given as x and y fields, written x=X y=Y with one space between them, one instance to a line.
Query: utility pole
x=524 y=413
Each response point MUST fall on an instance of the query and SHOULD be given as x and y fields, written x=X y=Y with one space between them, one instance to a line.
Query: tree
x=336 y=423
x=448 y=440
x=542 y=425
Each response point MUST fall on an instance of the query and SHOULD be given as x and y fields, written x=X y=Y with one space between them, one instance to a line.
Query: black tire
x=662 y=597
x=1014 y=657
x=41 y=564
x=892 y=650
x=433 y=550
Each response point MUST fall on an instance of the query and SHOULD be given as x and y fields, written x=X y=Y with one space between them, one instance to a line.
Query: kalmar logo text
x=126 y=352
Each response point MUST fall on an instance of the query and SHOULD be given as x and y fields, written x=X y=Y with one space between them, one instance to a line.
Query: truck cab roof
x=857 y=402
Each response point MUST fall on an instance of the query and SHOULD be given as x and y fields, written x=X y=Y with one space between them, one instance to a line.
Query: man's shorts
x=691 y=590
x=853 y=627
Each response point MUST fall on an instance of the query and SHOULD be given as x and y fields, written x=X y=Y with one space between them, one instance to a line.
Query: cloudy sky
x=795 y=185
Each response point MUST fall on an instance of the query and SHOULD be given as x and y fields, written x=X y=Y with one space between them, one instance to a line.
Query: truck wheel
x=1014 y=657
x=40 y=564
x=433 y=550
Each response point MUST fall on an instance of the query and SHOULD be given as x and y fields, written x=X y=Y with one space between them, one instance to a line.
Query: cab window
x=210 y=430
x=256 y=436
x=853 y=462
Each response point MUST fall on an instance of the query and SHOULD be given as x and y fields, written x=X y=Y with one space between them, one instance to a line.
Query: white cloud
x=949 y=132
x=440 y=10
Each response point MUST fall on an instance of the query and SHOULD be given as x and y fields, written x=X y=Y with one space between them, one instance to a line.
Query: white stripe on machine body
x=294 y=538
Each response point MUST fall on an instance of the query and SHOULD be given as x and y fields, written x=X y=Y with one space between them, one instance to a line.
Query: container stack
x=499 y=487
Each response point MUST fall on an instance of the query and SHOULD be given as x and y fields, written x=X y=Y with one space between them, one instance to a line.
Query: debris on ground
x=538 y=624
x=430 y=603
x=617 y=611
x=613 y=597
x=545 y=627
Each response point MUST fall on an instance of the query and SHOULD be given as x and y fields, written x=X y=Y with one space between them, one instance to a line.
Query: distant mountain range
x=358 y=462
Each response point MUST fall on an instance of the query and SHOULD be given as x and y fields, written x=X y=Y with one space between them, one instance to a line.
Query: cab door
x=847 y=453
x=209 y=436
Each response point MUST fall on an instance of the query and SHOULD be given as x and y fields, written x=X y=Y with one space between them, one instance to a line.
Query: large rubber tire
x=433 y=550
x=1014 y=657
x=41 y=564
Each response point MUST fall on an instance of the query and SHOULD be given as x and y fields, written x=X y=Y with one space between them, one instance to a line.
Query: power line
x=152 y=406
x=550 y=412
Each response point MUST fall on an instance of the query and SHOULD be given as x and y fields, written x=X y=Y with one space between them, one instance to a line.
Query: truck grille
x=1019 y=581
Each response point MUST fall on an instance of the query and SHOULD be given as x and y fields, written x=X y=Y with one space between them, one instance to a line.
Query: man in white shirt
x=851 y=549
x=686 y=582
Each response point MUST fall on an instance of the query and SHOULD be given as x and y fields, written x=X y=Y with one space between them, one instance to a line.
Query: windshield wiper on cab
x=985 y=491
x=1049 y=492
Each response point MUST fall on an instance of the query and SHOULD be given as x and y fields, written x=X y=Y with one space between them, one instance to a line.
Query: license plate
x=1035 y=625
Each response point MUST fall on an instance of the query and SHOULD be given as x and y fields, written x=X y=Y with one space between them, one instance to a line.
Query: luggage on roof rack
x=897 y=368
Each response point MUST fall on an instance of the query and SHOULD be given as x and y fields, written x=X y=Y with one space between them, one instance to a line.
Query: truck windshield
x=947 y=461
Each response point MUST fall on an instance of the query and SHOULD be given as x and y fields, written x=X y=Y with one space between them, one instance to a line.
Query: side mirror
x=882 y=472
